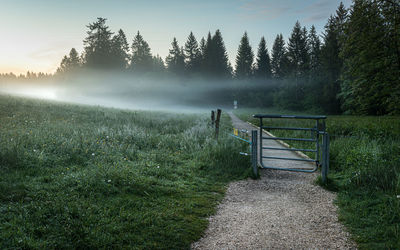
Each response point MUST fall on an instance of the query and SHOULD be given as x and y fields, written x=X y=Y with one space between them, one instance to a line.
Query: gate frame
x=319 y=129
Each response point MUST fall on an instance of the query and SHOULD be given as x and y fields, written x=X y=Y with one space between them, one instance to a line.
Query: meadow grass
x=364 y=170
x=89 y=177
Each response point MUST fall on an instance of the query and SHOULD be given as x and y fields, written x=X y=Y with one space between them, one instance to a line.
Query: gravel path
x=282 y=210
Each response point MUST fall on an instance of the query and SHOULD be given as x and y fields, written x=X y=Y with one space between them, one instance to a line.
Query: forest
x=352 y=68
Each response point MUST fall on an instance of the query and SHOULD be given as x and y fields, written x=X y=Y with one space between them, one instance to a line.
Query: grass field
x=364 y=170
x=89 y=177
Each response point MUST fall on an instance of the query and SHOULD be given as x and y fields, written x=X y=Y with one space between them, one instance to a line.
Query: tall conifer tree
x=98 y=45
x=263 y=61
x=141 y=60
x=279 y=58
x=120 y=50
x=192 y=54
x=244 y=59
x=175 y=59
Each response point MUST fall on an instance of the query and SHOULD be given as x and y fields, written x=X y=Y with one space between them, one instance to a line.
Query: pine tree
x=244 y=59
x=298 y=50
x=263 y=62
x=69 y=63
x=279 y=58
x=330 y=61
x=98 y=45
x=158 y=64
x=142 y=60
x=222 y=67
x=215 y=58
x=175 y=60
x=192 y=54
x=315 y=52
x=370 y=73
x=208 y=55
x=120 y=50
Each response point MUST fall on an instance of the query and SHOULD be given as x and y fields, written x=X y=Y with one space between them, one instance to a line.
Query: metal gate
x=320 y=149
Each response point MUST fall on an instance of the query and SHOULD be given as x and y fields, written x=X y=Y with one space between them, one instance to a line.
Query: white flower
x=109 y=181
x=92 y=154
x=158 y=166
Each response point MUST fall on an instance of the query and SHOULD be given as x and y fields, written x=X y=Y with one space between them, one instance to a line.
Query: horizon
x=35 y=44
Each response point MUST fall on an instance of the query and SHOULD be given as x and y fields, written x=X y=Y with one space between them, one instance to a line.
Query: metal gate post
x=254 y=152
x=325 y=157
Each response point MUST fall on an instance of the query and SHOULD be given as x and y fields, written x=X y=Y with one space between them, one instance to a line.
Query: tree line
x=353 y=67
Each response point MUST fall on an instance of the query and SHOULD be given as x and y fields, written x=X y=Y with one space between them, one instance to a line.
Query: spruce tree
x=263 y=61
x=279 y=59
x=69 y=63
x=331 y=63
x=298 y=52
x=158 y=64
x=120 y=50
x=175 y=60
x=244 y=59
x=192 y=54
x=98 y=45
x=208 y=56
x=370 y=73
x=215 y=62
x=315 y=52
x=142 y=60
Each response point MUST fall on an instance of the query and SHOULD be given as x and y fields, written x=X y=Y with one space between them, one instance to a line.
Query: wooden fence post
x=217 y=123
x=212 y=117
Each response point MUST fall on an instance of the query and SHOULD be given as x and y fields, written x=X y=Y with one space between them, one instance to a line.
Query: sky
x=35 y=35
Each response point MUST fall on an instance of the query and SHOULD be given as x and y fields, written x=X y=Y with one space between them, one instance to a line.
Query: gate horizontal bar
x=292 y=169
x=285 y=128
x=291 y=116
x=291 y=159
x=288 y=139
x=292 y=149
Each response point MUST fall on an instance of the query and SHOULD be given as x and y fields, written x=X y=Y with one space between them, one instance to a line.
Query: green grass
x=89 y=177
x=364 y=170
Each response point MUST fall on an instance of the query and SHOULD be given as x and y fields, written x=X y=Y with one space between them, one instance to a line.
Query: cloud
x=319 y=10
x=264 y=10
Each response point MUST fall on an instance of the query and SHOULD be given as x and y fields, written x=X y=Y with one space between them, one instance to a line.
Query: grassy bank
x=364 y=170
x=89 y=177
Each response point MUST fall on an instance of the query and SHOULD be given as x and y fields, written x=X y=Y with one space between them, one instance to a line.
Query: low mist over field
x=139 y=92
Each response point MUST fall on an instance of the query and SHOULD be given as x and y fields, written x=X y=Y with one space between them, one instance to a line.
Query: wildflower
x=109 y=181
x=158 y=166
x=92 y=154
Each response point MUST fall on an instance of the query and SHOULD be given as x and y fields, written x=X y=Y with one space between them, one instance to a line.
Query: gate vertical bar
x=254 y=152
x=317 y=148
x=325 y=157
x=261 y=140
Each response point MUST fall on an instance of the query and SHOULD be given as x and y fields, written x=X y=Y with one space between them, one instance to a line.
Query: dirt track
x=282 y=210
